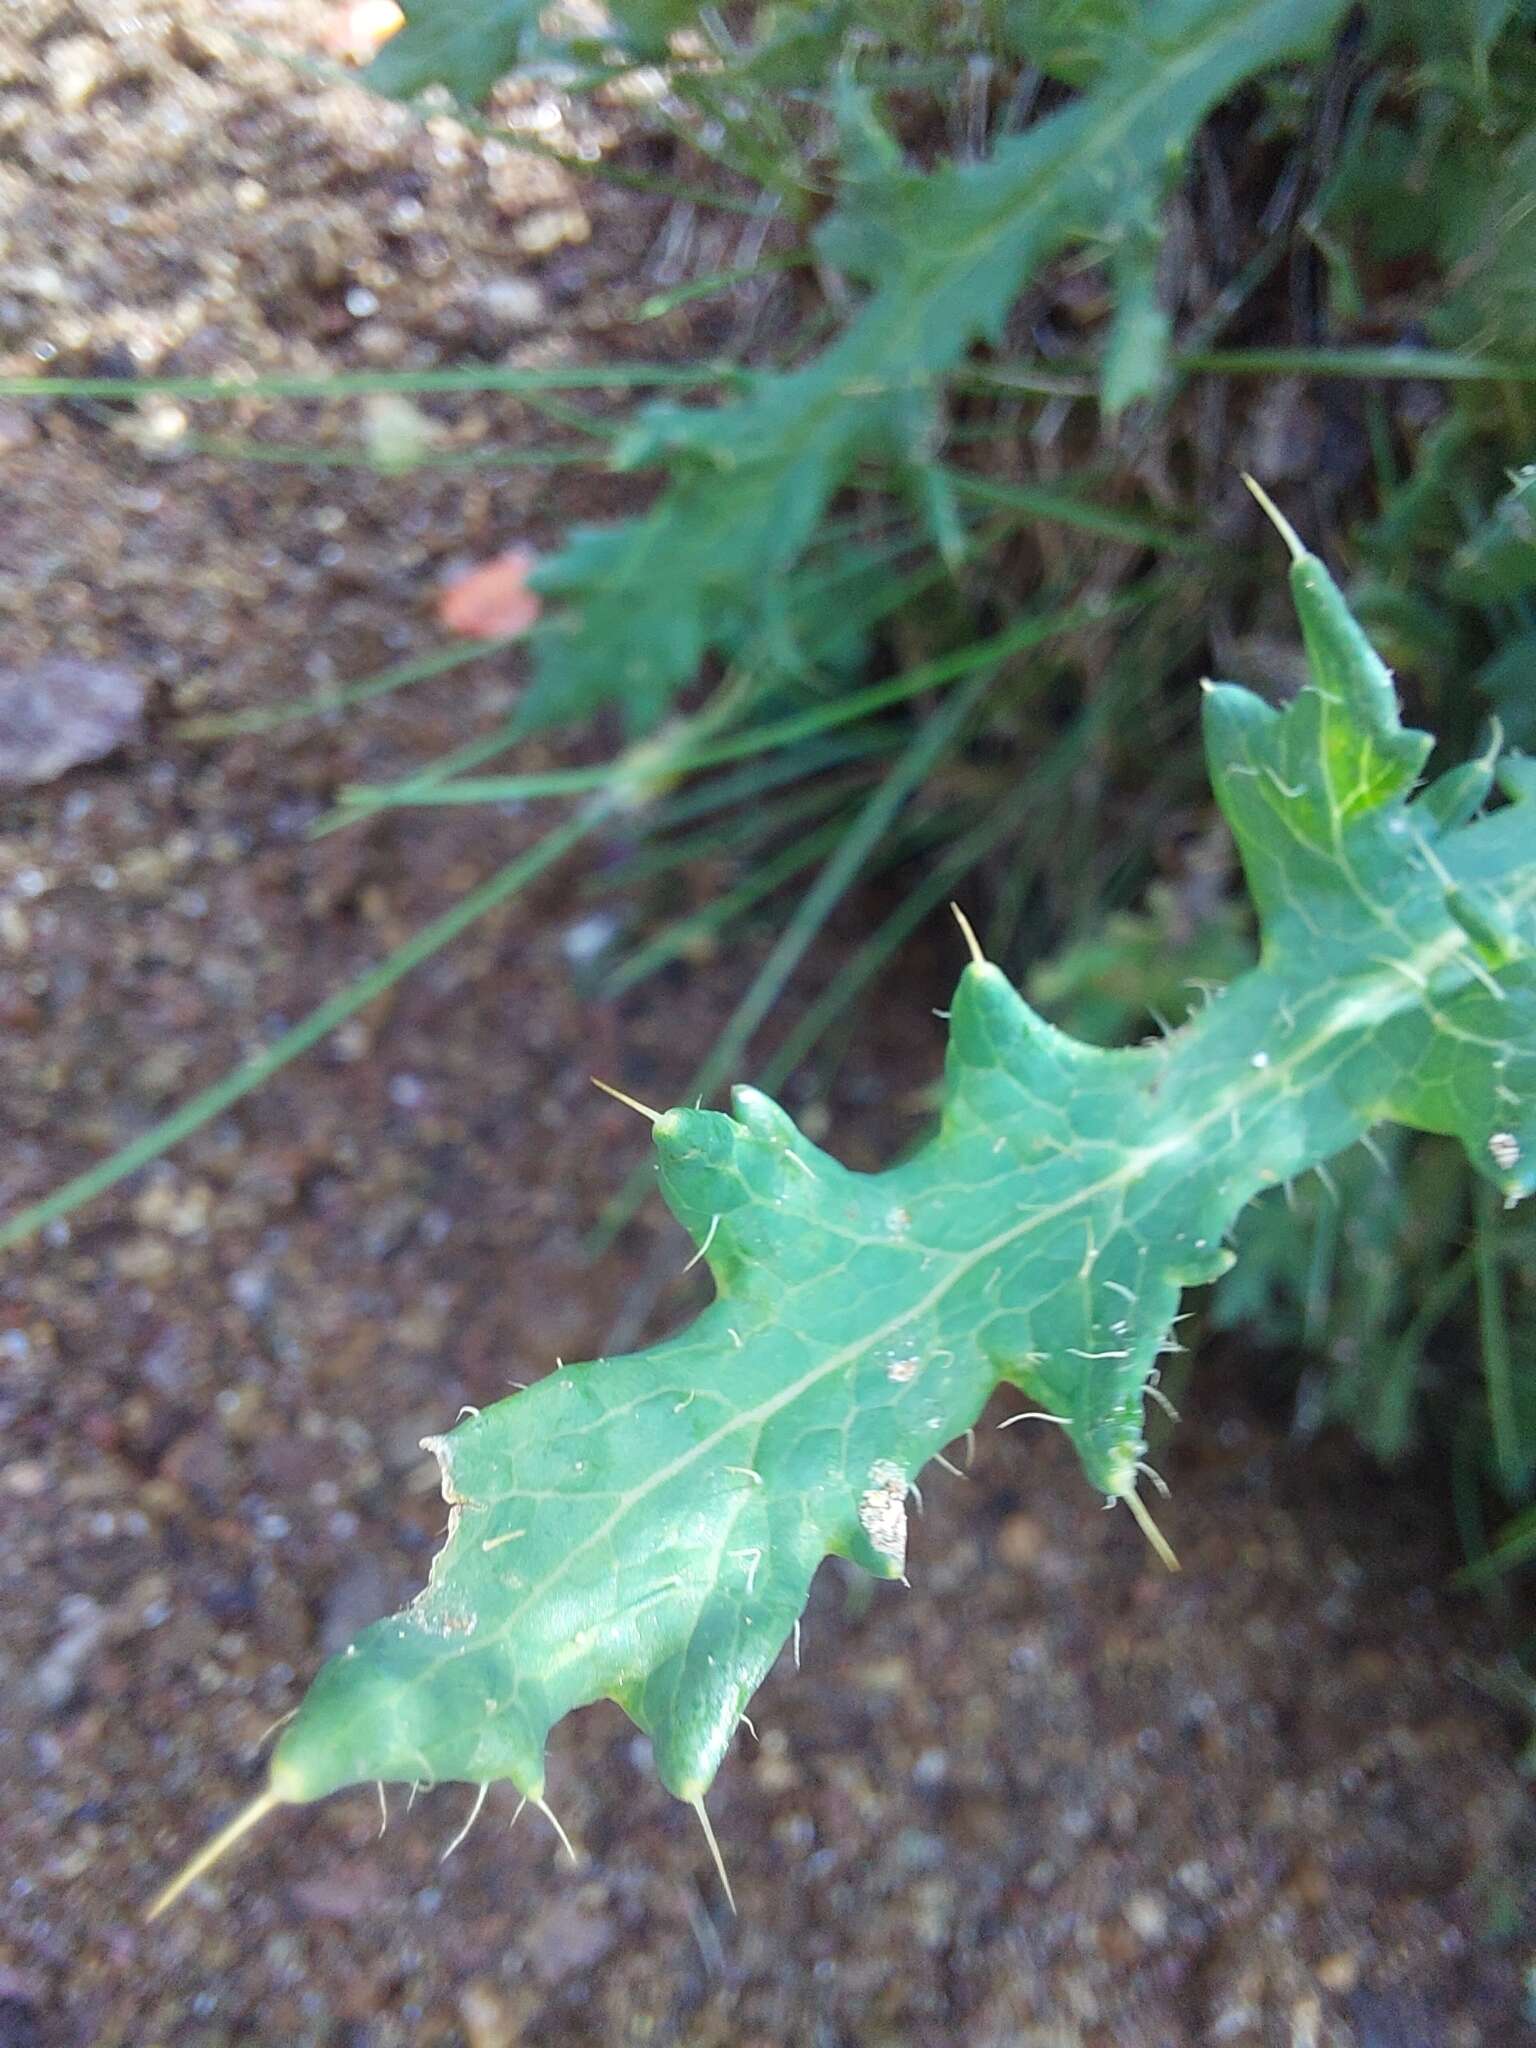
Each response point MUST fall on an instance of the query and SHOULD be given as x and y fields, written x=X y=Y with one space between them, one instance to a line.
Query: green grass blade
x=1066 y=508
x=661 y=303
x=933 y=738
x=372 y=383
x=1076 y=379
x=746 y=826
x=260 y=1067
x=224 y=724
x=364 y=798
x=356 y=799
x=1514 y=1545
x=755 y=778
x=675 y=938
x=549 y=407
x=1510 y=1455
x=1030 y=799
x=304 y=455
x=1443 y=364
x=1018 y=638
x=936 y=887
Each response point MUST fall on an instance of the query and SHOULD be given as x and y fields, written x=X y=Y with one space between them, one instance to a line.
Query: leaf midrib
x=1398 y=993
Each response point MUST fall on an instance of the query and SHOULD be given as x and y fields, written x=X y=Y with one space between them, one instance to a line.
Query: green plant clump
x=645 y=1529
x=929 y=560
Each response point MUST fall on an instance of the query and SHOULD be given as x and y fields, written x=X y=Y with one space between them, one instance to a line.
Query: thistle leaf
x=465 y=45
x=945 y=255
x=645 y=1528
x=1498 y=562
x=468 y=45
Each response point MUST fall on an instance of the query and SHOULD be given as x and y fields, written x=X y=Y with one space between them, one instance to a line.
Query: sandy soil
x=1050 y=1798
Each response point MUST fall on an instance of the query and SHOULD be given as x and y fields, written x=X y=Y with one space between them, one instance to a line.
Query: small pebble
x=490 y=2016
x=550 y=227
x=517 y=301
x=78 y=67
x=18 y=429
x=55 y=715
x=1339 y=1973
x=1146 y=1916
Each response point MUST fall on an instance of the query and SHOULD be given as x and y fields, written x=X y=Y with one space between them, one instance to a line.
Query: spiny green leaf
x=1071 y=39
x=466 y=45
x=1141 y=330
x=1494 y=249
x=1465 y=29
x=1143 y=965
x=645 y=1529
x=946 y=254
x=1508 y=677
x=1498 y=562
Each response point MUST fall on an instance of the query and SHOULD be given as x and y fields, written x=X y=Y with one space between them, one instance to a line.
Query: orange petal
x=493 y=599
x=356 y=30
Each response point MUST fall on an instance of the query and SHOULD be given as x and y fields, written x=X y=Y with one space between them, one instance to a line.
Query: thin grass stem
x=1493 y=1326
x=224 y=724
x=855 y=705
x=260 y=1067
x=373 y=383
x=931 y=741
x=303 y=455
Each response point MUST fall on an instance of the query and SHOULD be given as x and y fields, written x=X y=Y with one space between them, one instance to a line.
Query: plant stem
x=1513 y=1464
x=370 y=383
x=222 y=724
x=857 y=704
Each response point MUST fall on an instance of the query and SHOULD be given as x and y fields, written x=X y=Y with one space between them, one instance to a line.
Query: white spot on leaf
x=883 y=1511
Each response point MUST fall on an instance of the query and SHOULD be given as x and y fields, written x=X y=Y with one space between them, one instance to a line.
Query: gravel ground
x=1049 y=1798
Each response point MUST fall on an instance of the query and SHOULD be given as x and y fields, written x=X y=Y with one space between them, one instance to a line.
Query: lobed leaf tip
x=764 y=1118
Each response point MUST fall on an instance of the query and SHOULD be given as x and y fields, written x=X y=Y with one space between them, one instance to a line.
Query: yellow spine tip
x=978 y=958
x=565 y=1840
x=214 y=1851
x=1277 y=518
x=629 y=1102
x=697 y=1803
x=1150 y=1530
